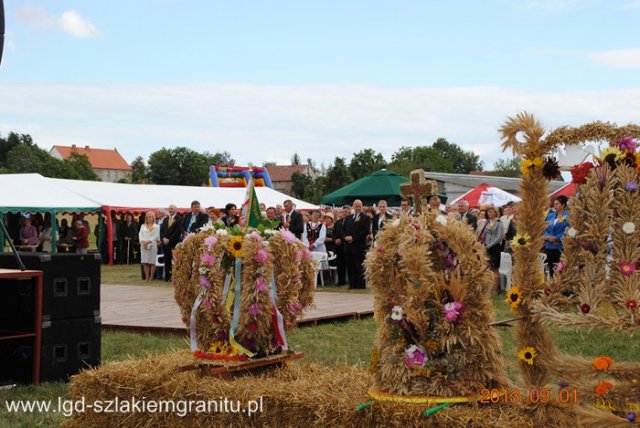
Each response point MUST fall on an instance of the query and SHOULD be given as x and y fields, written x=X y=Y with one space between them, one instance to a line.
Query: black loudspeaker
x=68 y=346
x=70 y=289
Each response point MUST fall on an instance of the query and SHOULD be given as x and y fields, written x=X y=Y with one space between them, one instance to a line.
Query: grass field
x=329 y=344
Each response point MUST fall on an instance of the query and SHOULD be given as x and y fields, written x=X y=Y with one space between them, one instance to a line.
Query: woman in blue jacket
x=557 y=225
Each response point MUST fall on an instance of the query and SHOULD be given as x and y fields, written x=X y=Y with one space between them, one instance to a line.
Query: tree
x=463 y=161
x=295 y=159
x=406 y=159
x=182 y=166
x=337 y=175
x=139 y=170
x=302 y=186
x=365 y=162
x=507 y=167
x=81 y=167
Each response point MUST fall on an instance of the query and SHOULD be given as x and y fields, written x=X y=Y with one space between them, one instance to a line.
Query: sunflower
x=610 y=155
x=514 y=297
x=528 y=165
x=235 y=246
x=217 y=347
x=521 y=240
x=550 y=169
x=527 y=355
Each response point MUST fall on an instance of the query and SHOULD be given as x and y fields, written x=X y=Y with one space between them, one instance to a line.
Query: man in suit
x=354 y=235
x=194 y=220
x=292 y=219
x=380 y=218
x=170 y=234
x=341 y=262
x=466 y=216
x=271 y=216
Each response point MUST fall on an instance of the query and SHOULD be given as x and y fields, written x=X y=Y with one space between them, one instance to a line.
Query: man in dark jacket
x=341 y=262
x=292 y=219
x=194 y=220
x=354 y=235
x=170 y=234
x=466 y=216
x=380 y=218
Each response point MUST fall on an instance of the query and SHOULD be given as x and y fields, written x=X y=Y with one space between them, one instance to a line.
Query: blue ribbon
x=279 y=317
x=225 y=289
x=236 y=298
x=192 y=321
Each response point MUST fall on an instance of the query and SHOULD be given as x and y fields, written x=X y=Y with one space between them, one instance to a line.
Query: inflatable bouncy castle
x=228 y=175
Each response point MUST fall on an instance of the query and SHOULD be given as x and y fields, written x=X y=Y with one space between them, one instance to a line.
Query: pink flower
x=189 y=236
x=297 y=278
x=204 y=281
x=307 y=254
x=254 y=309
x=626 y=144
x=560 y=267
x=261 y=285
x=380 y=250
x=451 y=316
x=255 y=235
x=261 y=256
x=416 y=226
x=298 y=256
x=208 y=259
x=414 y=357
x=289 y=237
x=627 y=268
x=210 y=241
x=206 y=303
x=294 y=308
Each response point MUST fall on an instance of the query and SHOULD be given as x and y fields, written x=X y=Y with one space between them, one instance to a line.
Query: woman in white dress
x=314 y=235
x=149 y=236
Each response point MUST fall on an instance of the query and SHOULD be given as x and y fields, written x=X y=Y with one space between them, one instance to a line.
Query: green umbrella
x=383 y=184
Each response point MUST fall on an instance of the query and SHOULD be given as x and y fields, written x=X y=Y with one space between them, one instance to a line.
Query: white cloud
x=617 y=58
x=70 y=21
x=258 y=123
x=631 y=5
x=553 y=5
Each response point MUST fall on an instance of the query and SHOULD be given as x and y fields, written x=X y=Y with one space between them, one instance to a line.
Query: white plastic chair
x=333 y=269
x=319 y=258
x=506 y=266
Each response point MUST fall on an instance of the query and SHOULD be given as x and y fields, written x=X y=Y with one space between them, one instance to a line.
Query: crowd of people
x=345 y=233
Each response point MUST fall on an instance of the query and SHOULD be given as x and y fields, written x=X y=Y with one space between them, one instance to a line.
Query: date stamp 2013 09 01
x=531 y=396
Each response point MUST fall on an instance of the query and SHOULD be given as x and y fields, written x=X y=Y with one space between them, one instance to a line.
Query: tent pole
x=107 y=211
x=54 y=232
x=101 y=237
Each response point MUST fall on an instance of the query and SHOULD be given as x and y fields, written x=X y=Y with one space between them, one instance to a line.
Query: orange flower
x=603 y=387
x=602 y=363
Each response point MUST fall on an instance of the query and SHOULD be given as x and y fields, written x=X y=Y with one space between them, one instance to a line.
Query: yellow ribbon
x=385 y=396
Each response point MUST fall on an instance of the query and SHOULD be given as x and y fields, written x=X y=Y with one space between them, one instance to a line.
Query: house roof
x=99 y=158
x=281 y=173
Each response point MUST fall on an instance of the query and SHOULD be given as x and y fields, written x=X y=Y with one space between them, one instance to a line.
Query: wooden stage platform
x=153 y=308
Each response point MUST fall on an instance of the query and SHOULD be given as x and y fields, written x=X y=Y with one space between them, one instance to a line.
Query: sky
x=264 y=79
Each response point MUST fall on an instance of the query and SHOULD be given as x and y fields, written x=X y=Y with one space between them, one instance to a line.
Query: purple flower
x=204 y=281
x=207 y=259
x=289 y=237
x=414 y=357
x=560 y=267
x=261 y=285
x=441 y=246
x=255 y=235
x=631 y=416
x=631 y=186
x=210 y=241
x=261 y=256
x=222 y=335
x=254 y=309
x=449 y=261
x=451 y=316
x=626 y=144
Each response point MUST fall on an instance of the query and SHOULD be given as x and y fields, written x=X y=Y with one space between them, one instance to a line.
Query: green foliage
x=19 y=155
x=365 y=162
x=138 y=170
x=463 y=161
x=507 y=167
x=337 y=176
x=295 y=159
x=407 y=159
x=302 y=185
x=181 y=166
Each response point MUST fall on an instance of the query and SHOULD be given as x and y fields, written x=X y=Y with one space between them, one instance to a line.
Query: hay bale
x=301 y=395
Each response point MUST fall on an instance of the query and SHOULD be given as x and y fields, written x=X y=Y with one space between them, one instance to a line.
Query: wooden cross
x=418 y=188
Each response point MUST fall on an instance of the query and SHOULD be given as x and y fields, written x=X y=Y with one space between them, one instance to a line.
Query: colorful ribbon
x=235 y=294
x=192 y=321
x=278 y=324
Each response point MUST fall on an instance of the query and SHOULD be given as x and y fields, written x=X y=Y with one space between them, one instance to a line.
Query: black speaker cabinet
x=68 y=346
x=71 y=286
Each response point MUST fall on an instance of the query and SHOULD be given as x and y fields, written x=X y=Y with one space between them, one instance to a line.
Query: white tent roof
x=152 y=196
x=33 y=191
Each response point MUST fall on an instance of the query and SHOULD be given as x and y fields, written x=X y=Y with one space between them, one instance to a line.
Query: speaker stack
x=70 y=316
